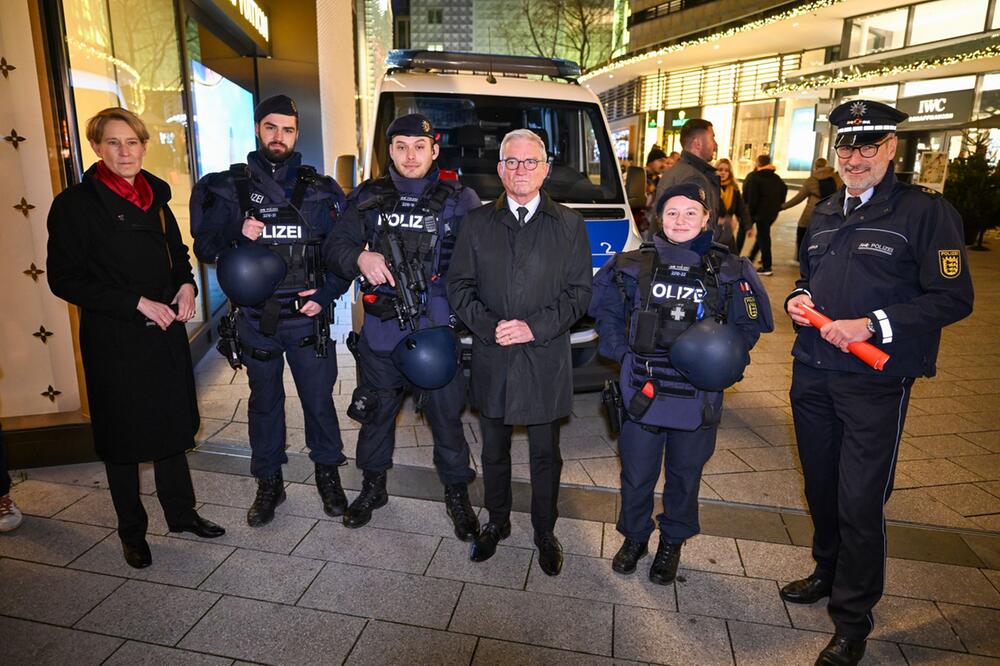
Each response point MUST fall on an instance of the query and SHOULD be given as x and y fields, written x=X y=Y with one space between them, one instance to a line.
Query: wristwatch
x=871 y=326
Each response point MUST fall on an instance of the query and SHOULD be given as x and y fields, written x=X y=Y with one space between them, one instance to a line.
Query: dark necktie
x=852 y=203
x=522 y=216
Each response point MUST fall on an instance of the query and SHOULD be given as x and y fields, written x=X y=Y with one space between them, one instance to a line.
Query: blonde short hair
x=526 y=135
x=96 y=125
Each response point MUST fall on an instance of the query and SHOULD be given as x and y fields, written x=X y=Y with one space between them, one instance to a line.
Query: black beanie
x=282 y=104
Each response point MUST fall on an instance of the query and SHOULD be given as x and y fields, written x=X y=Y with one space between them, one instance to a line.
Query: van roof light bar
x=407 y=59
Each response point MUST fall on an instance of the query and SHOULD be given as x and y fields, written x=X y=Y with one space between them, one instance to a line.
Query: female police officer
x=680 y=315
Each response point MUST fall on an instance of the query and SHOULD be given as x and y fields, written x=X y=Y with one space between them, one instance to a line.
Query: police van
x=473 y=100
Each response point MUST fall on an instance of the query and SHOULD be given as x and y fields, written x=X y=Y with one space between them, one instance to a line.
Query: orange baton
x=866 y=351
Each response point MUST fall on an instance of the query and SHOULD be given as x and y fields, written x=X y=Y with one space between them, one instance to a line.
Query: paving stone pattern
x=305 y=590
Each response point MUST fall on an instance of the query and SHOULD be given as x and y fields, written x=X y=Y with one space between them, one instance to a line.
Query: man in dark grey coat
x=519 y=278
x=698 y=141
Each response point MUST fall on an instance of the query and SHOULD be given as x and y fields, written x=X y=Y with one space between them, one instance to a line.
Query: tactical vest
x=421 y=227
x=290 y=235
x=669 y=299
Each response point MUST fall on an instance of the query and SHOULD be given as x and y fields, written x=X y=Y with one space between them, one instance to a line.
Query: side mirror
x=346 y=172
x=635 y=186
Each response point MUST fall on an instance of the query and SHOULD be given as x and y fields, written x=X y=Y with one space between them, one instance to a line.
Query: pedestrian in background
x=821 y=183
x=698 y=141
x=10 y=515
x=764 y=192
x=733 y=212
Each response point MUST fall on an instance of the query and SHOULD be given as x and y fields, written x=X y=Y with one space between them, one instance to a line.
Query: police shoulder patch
x=927 y=190
x=950 y=263
x=750 y=303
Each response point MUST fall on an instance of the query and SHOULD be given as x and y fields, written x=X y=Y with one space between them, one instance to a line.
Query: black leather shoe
x=270 y=493
x=628 y=556
x=550 y=555
x=807 y=590
x=456 y=501
x=206 y=529
x=485 y=545
x=664 y=568
x=841 y=651
x=372 y=496
x=331 y=492
x=137 y=555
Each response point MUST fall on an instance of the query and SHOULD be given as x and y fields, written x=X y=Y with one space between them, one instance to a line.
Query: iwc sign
x=951 y=108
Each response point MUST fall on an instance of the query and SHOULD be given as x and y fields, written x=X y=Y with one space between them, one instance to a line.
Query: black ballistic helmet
x=428 y=358
x=710 y=355
x=249 y=273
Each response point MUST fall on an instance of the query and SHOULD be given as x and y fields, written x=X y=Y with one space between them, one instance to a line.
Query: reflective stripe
x=883 y=322
x=865 y=128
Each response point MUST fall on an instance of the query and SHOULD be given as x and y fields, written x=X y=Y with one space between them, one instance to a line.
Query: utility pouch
x=675 y=317
x=643 y=398
x=380 y=306
x=645 y=324
x=611 y=396
x=364 y=405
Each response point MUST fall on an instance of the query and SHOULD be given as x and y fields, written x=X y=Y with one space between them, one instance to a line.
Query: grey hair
x=526 y=135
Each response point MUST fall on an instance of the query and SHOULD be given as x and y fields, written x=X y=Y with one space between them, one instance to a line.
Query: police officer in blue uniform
x=276 y=201
x=680 y=315
x=421 y=213
x=886 y=262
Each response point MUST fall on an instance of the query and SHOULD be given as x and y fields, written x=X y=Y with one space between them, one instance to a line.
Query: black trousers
x=762 y=244
x=377 y=440
x=848 y=428
x=546 y=469
x=173 y=488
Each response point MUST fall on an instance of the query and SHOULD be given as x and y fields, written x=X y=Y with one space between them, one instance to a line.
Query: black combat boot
x=456 y=501
x=270 y=493
x=330 y=490
x=664 y=568
x=372 y=496
x=628 y=556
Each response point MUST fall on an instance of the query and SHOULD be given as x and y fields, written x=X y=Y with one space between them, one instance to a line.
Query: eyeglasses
x=867 y=150
x=529 y=164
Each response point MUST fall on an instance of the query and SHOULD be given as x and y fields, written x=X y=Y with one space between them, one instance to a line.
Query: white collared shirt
x=532 y=206
x=864 y=196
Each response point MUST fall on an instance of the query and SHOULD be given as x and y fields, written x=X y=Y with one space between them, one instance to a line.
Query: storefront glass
x=877 y=32
x=947 y=18
x=721 y=117
x=754 y=122
x=127 y=53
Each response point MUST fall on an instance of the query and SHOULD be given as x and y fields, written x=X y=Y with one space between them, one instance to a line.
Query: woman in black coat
x=115 y=251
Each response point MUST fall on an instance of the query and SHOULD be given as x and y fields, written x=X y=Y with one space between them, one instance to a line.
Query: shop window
x=754 y=122
x=435 y=16
x=721 y=117
x=127 y=53
x=947 y=18
x=877 y=32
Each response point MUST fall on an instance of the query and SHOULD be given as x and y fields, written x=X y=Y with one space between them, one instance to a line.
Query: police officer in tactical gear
x=409 y=211
x=886 y=262
x=275 y=200
x=681 y=290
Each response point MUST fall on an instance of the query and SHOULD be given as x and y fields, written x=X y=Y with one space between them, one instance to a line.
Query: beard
x=277 y=154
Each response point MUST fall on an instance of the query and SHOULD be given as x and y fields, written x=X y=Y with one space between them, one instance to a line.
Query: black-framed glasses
x=530 y=164
x=867 y=150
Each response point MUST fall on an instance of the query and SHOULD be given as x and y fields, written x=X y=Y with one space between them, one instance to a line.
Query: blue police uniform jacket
x=217 y=218
x=739 y=293
x=406 y=211
x=898 y=259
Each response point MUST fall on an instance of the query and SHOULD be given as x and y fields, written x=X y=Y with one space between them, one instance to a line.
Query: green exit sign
x=652 y=123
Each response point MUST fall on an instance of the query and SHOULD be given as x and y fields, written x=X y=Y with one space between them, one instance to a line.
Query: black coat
x=764 y=192
x=540 y=274
x=103 y=254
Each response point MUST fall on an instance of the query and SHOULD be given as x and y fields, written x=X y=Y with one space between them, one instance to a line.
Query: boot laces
x=458 y=502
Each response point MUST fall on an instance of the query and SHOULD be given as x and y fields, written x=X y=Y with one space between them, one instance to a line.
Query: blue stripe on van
x=607 y=238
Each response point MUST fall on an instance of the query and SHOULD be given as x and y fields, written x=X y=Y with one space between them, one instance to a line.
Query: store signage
x=951 y=108
x=254 y=15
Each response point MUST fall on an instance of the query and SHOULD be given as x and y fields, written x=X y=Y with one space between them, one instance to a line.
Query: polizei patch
x=876 y=247
x=950 y=263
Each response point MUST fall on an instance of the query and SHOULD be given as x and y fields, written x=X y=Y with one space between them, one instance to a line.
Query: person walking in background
x=733 y=213
x=698 y=141
x=115 y=251
x=764 y=191
x=821 y=183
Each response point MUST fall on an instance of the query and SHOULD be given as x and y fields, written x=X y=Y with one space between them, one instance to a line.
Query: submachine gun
x=229 y=338
x=315 y=279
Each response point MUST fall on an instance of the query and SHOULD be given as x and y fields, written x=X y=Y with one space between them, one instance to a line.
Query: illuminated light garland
x=731 y=32
x=813 y=82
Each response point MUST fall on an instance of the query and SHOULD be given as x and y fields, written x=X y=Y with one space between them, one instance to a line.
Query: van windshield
x=584 y=168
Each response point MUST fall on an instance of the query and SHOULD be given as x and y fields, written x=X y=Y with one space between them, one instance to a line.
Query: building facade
x=766 y=74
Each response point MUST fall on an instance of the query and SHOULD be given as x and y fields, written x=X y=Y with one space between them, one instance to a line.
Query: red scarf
x=140 y=194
